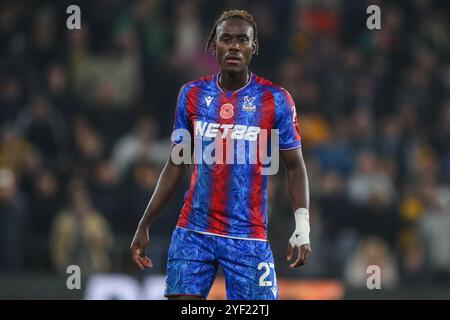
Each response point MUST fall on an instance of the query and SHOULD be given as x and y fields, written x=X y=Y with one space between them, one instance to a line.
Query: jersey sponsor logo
x=238 y=131
x=248 y=104
x=226 y=111
x=208 y=100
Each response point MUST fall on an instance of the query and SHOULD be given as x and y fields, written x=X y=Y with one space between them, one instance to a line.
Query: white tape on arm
x=301 y=233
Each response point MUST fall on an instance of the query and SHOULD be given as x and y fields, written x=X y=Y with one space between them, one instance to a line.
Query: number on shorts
x=262 y=279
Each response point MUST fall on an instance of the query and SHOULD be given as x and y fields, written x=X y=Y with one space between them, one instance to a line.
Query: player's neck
x=235 y=81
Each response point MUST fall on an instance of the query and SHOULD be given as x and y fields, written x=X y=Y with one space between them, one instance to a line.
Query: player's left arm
x=298 y=188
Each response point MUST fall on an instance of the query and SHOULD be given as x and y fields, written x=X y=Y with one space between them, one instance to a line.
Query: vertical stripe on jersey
x=192 y=105
x=257 y=201
x=220 y=178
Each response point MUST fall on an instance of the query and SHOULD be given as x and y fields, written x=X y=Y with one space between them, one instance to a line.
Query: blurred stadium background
x=86 y=115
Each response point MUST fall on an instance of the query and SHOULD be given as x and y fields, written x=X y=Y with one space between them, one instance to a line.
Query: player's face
x=234 y=45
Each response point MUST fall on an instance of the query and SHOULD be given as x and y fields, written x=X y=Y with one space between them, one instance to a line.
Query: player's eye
x=243 y=40
x=226 y=40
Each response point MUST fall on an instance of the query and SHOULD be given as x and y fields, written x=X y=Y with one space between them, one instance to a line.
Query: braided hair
x=240 y=14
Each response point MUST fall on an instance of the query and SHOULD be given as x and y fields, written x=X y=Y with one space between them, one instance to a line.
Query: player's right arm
x=168 y=182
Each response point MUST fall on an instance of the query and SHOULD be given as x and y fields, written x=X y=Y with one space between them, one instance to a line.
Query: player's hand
x=138 y=245
x=303 y=252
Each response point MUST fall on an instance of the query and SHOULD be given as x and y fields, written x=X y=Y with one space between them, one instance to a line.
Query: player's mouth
x=233 y=59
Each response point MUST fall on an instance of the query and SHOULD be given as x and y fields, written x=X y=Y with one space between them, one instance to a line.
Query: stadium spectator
x=80 y=235
x=13 y=215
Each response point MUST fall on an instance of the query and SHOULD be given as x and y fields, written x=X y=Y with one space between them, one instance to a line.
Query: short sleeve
x=286 y=122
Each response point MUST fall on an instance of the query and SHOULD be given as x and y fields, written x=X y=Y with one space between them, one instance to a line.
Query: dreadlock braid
x=240 y=14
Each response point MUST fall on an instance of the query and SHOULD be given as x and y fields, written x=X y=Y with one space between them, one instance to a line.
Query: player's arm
x=168 y=182
x=297 y=179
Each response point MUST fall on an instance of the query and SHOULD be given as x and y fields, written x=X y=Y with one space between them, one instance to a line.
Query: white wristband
x=301 y=233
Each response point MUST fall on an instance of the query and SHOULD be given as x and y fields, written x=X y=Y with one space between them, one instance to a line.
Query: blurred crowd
x=86 y=116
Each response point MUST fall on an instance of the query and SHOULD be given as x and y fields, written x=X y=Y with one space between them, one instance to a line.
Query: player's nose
x=234 y=45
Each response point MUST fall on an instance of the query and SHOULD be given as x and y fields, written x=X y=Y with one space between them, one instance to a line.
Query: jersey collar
x=216 y=81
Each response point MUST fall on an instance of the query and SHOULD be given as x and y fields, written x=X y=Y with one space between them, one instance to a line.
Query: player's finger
x=302 y=254
x=290 y=252
x=146 y=262
x=306 y=253
x=298 y=261
x=138 y=262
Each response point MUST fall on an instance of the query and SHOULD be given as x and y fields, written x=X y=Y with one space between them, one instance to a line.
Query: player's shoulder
x=272 y=87
x=199 y=83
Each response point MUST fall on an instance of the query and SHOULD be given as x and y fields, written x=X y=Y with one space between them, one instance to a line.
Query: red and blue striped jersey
x=231 y=199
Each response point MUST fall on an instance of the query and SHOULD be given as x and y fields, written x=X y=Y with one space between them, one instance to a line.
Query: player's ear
x=254 y=47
